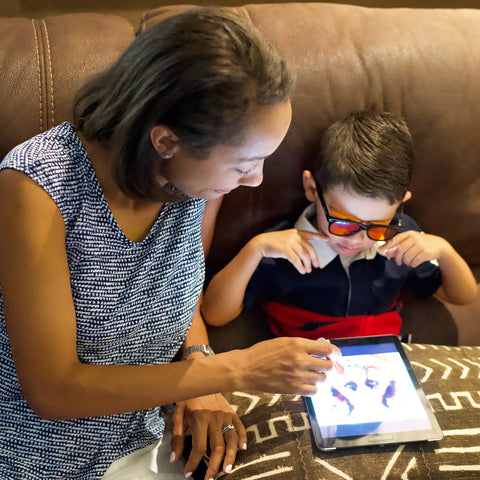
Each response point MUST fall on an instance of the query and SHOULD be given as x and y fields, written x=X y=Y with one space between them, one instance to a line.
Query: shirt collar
x=324 y=252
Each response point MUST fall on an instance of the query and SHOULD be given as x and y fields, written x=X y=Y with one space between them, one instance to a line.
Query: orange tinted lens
x=343 y=228
x=381 y=233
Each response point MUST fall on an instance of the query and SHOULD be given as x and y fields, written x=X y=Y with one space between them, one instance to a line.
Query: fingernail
x=188 y=475
x=172 y=457
x=244 y=446
x=228 y=468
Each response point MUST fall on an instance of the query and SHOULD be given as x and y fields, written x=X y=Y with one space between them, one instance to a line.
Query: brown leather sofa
x=421 y=63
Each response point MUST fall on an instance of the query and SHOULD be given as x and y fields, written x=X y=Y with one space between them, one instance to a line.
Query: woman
x=101 y=259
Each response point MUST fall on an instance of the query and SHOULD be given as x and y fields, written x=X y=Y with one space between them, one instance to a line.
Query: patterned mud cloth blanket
x=279 y=436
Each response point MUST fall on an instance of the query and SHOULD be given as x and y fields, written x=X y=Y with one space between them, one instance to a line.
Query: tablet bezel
x=371 y=439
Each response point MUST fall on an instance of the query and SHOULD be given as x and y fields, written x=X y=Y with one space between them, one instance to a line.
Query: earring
x=167 y=156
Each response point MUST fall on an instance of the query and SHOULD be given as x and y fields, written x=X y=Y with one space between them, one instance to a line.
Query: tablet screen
x=370 y=397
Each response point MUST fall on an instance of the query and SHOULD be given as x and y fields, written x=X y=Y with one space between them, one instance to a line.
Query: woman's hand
x=204 y=418
x=285 y=365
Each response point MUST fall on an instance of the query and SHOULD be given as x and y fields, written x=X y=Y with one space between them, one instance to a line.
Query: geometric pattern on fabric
x=280 y=446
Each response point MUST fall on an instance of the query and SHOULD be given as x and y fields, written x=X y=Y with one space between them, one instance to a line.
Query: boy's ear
x=407 y=196
x=309 y=186
x=164 y=141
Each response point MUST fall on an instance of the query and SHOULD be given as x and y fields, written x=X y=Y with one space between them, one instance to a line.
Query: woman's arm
x=41 y=324
x=204 y=418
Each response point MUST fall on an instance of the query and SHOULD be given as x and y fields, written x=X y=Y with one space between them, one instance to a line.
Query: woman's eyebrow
x=257 y=158
x=253 y=159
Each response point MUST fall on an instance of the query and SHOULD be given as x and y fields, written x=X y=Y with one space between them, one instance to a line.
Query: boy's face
x=342 y=203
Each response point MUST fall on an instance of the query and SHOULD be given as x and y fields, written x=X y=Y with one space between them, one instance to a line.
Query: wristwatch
x=205 y=349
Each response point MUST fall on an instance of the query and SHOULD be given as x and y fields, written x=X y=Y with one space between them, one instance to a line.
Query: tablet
x=370 y=397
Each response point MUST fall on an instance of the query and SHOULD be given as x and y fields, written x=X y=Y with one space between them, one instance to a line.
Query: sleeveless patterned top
x=134 y=304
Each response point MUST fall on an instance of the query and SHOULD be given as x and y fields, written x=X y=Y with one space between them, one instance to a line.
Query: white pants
x=149 y=463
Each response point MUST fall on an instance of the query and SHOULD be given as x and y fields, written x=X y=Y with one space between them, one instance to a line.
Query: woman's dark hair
x=201 y=73
x=368 y=153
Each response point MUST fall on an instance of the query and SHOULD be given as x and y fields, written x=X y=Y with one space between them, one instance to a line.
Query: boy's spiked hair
x=368 y=153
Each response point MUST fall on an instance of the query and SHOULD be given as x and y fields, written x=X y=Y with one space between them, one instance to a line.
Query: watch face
x=207 y=350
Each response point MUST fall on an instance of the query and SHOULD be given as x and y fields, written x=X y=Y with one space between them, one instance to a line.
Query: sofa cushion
x=423 y=64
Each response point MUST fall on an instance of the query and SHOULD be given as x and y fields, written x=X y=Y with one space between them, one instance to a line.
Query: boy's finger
x=296 y=261
x=313 y=235
x=390 y=252
x=305 y=257
x=312 y=253
x=398 y=256
x=396 y=240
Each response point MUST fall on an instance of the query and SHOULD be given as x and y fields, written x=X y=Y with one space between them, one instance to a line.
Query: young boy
x=340 y=270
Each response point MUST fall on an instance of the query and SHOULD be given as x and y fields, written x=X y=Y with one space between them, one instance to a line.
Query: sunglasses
x=346 y=228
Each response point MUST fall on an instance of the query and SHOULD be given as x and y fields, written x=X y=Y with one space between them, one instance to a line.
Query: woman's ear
x=407 y=196
x=164 y=141
x=309 y=186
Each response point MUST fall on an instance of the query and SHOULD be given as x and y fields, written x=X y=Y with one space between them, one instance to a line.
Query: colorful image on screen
x=369 y=391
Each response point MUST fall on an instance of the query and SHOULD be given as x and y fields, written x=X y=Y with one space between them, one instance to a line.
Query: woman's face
x=228 y=167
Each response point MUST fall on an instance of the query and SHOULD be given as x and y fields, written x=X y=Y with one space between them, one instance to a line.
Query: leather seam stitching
x=50 y=71
x=39 y=75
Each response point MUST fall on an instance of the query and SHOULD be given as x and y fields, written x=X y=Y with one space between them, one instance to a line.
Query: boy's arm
x=223 y=299
x=458 y=283
x=413 y=248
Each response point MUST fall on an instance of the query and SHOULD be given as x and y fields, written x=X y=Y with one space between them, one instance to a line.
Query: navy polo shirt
x=370 y=287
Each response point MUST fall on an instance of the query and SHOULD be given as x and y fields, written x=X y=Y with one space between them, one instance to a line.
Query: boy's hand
x=413 y=248
x=293 y=245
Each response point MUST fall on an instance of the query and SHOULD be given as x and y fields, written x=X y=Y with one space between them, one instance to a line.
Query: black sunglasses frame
x=331 y=220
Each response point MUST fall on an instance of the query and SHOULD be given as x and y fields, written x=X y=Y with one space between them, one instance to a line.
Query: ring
x=226 y=428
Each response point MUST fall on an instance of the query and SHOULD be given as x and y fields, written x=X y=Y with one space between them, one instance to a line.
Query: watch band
x=205 y=349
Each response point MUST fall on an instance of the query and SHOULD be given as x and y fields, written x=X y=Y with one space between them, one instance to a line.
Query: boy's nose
x=358 y=238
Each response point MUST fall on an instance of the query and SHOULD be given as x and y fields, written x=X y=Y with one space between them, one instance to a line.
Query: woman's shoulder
x=51 y=147
x=56 y=161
